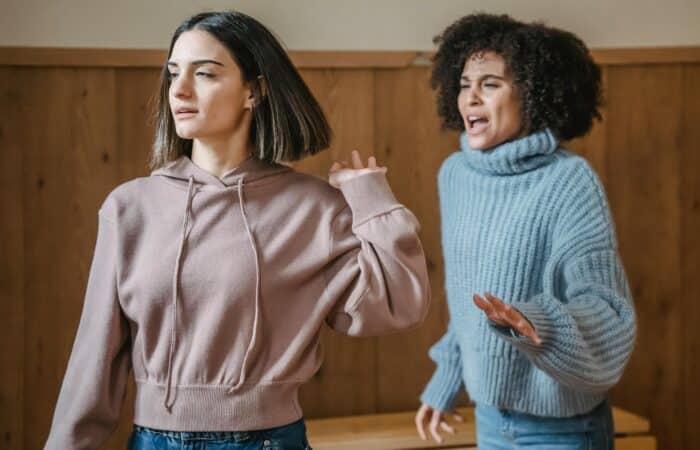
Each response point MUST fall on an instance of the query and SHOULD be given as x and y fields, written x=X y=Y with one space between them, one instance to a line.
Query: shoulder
x=307 y=187
x=572 y=175
x=124 y=196
x=579 y=192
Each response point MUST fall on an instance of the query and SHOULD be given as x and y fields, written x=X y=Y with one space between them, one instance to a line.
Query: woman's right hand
x=434 y=419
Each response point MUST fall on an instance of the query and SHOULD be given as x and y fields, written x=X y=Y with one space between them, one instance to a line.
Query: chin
x=478 y=143
x=186 y=133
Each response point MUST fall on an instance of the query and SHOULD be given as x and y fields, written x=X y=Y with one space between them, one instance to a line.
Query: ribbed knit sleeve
x=446 y=382
x=94 y=385
x=584 y=316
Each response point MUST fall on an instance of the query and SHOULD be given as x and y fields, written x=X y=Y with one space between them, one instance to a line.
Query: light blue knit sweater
x=529 y=223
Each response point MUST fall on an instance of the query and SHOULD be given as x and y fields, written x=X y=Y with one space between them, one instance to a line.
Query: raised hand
x=340 y=172
x=505 y=315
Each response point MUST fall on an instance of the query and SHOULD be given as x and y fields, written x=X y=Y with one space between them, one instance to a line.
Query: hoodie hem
x=212 y=408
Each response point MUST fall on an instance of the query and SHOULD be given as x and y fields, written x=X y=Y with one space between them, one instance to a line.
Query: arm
x=446 y=383
x=377 y=275
x=93 y=388
x=584 y=316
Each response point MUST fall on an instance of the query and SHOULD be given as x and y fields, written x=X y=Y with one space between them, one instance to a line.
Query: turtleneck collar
x=513 y=157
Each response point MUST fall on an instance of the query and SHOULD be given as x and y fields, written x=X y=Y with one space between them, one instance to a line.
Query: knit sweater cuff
x=443 y=388
x=541 y=322
x=369 y=195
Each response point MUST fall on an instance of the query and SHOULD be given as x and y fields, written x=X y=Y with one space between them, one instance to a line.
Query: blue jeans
x=287 y=437
x=498 y=429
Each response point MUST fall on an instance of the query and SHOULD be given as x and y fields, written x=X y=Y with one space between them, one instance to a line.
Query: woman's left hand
x=507 y=316
x=340 y=172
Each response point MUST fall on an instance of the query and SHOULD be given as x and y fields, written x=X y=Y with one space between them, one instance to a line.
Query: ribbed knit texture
x=529 y=223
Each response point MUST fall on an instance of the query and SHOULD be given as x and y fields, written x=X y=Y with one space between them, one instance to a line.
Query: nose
x=181 y=87
x=473 y=97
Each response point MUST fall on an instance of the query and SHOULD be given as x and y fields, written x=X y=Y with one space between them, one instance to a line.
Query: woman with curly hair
x=213 y=277
x=541 y=318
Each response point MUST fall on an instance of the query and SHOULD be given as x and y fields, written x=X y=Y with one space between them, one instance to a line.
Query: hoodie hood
x=250 y=170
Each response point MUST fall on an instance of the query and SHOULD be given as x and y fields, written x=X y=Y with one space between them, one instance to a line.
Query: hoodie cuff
x=443 y=388
x=369 y=195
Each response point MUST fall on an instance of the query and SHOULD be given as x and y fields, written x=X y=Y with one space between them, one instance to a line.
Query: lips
x=476 y=124
x=185 y=112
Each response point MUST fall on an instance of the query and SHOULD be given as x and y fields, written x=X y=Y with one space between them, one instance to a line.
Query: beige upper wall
x=342 y=24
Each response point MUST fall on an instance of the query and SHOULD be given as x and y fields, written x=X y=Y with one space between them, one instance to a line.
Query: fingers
x=513 y=318
x=483 y=305
x=457 y=417
x=435 y=420
x=372 y=162
x=356 y=160
x=420 y=420
x=447 y=427
x=489 y=310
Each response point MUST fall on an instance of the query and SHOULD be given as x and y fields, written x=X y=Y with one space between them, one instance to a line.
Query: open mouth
x=476 y=124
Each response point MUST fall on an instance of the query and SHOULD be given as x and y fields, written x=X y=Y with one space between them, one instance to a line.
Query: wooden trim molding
x=135 y=58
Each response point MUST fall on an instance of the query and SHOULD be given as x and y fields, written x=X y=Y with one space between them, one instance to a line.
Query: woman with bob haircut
x=212 y=277
x=541 y=317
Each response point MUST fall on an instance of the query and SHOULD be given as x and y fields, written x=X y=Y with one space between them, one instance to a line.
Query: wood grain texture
x=689 y=140
x=409 y=141
x=644 y=189
x=76 y=133
x=345 y=383
x=397 y=431
x=12 y=276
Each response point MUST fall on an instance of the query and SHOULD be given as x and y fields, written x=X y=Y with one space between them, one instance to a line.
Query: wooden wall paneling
x=137 y=91
x=644 y=188
x=345 y=383
x=62 y=194
x=593 y=146
x=690 y=254
x=12 y=90
x=69 y=146
x=410 y=142
x=47 y=215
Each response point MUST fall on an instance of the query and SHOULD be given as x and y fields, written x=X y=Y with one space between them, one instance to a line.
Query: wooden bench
x=397 y=431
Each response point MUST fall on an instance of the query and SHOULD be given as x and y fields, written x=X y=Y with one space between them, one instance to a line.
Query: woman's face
x=488 y=102
x=208 y=97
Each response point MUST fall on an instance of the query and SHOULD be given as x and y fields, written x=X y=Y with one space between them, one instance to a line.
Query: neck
x=218 y=155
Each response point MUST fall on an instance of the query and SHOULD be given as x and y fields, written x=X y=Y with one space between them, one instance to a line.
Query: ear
x=256 y=92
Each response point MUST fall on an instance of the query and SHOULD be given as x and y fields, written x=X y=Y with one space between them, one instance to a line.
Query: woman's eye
x=172 y=75
x=464 y=86
x=205 y=74
x=491 y=85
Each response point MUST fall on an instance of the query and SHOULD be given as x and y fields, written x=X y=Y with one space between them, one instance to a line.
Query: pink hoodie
x=214 y=291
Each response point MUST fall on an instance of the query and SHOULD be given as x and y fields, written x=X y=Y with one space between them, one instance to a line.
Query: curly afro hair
x=555 y=75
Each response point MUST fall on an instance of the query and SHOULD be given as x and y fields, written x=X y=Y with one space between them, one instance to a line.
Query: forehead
x=198 y=44
x=484 y=62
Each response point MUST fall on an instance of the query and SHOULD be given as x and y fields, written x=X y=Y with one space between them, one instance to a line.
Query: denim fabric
x=288 y=437
x=498 y=429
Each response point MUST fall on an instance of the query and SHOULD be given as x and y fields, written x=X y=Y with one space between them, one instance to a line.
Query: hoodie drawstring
x=176 y=276
x=256 y=320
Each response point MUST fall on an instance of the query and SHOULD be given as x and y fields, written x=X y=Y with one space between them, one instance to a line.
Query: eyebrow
x=488 y=75
x=198 y=62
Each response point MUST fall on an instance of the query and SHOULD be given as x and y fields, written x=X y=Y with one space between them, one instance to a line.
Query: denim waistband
x=235 y=436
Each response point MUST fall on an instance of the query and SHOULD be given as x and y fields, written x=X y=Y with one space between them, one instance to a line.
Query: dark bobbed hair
x=555 y=75
x=288 y=123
